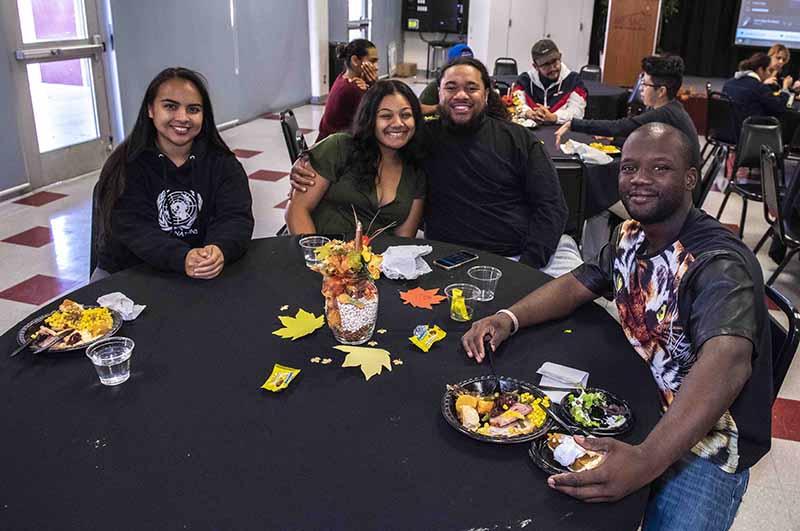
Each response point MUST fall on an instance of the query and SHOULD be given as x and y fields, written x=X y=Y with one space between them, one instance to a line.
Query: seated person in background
x=491 y=185
x=376 y=170
x=429 y=99
x=750 y=91
x=691 y=301
x=361 y=70
x=779 y=57
x=660 y=83
x=554 y=93
x=172 y=194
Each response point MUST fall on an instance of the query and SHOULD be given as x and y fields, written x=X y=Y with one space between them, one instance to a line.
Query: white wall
x=12 y=161
x=508 y=28
x=261 y=65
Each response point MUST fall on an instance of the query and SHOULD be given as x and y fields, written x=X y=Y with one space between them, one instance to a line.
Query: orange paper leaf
x=422 y=298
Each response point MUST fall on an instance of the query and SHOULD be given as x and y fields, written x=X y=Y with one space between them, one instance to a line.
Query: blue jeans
x=694 y=494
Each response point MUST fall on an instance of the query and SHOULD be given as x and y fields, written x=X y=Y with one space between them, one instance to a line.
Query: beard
x=656 y=213
x=466 y=128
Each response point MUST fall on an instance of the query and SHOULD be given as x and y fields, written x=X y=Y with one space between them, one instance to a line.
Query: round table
x=600 y=182
x=192 y=442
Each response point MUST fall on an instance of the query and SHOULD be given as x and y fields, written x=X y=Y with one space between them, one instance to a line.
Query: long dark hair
x=356 y=47
x=112 y=177
x=494 y=107
x=755 y=61
x=365 y=156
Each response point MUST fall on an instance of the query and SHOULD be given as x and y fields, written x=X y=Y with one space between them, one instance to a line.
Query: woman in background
x=750 y=91
x=361 y=70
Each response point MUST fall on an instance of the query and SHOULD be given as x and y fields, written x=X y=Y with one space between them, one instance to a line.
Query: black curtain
x=702 y=32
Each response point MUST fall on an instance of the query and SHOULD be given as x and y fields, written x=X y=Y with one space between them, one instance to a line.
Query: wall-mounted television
x=436 y=16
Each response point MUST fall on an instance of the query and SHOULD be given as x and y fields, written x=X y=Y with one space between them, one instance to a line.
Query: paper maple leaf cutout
x=422 y=298
x=300 y=325
x=371 y=360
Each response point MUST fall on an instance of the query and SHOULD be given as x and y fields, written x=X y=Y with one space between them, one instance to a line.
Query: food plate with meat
x=559 y=453
x=512 y=414
x=90 y=324
x=597 y=411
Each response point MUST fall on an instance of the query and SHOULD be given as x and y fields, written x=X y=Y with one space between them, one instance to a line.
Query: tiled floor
x=44 y=252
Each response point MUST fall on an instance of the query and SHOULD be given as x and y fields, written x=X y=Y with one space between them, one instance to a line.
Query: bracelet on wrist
x=511 y=316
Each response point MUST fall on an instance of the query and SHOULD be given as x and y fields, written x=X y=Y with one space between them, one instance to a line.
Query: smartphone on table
x=455 y=260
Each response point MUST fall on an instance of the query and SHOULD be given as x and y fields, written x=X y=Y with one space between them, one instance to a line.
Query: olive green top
x=334 y=215
x=430 y=94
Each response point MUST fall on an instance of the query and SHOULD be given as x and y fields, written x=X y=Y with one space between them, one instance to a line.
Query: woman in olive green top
x=375 y=170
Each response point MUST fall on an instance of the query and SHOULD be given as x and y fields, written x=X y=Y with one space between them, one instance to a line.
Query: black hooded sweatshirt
x=165 y=210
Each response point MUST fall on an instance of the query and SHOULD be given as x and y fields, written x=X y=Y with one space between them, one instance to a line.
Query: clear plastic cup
x=470 y=294
x=112 y=359
x=486 y=278
x=308 y=244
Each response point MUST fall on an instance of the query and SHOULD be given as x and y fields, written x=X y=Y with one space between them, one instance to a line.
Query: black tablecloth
x=604 y=102
x=600 y=182
x=192 y=442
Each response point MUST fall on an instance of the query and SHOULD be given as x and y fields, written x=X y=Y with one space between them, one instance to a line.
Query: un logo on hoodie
x=178 y=211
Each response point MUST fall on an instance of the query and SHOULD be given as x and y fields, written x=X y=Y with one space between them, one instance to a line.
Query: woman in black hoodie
x=173 y=194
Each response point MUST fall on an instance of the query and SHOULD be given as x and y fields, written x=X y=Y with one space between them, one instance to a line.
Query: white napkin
x=555 y=375
x=405 y=261
x=588 y=154
x=119 y=302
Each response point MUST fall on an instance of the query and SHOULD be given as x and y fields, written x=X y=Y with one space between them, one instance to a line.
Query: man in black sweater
x=491 y=185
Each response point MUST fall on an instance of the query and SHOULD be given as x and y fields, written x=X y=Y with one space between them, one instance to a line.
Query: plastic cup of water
x=112 y=359
x=486 y=278
x=308 y=244
x=470 y=295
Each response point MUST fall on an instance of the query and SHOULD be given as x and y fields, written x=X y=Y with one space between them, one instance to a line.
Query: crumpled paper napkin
x=555 y=375
x=120 y=303
x=588 y=154
x=405 y=261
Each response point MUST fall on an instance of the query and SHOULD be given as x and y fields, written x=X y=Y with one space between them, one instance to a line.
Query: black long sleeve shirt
x=672 y=114
x=494 y=189
x=165 y=211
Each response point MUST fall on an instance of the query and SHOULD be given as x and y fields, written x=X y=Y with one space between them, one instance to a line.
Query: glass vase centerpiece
x=349 y=270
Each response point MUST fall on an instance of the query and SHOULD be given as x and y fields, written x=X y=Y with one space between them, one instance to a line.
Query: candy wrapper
x=458 y=307
x=280 y=378
x=425 y=336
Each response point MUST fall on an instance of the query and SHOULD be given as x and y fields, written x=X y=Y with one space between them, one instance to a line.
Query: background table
x=604 y=102
x=191 y=441
x=600 y=182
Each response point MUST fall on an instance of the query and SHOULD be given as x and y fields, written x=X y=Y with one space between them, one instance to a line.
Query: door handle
x=78 y=50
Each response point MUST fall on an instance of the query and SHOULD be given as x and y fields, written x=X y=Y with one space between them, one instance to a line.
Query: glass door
x=60 y=86
x=358 y=23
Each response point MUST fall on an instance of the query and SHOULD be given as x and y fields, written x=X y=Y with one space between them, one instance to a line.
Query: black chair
x=706 y=178
x=722 y=129
x=770 y=182
x=295 y=141
x=591 y=73
x=784 y=340
x=95 y=230
x=505 y=66
x=502 y=87
x=570 y=175
x=756 y=131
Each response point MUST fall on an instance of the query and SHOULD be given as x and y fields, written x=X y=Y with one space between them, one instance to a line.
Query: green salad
x=592 y=410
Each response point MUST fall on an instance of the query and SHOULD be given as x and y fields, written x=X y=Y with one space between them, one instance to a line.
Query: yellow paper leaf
x=371 y=360
x=284 y=307
x=300 y=325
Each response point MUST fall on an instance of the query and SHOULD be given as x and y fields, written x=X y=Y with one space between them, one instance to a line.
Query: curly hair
x=365 y=155
x=666 y=71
